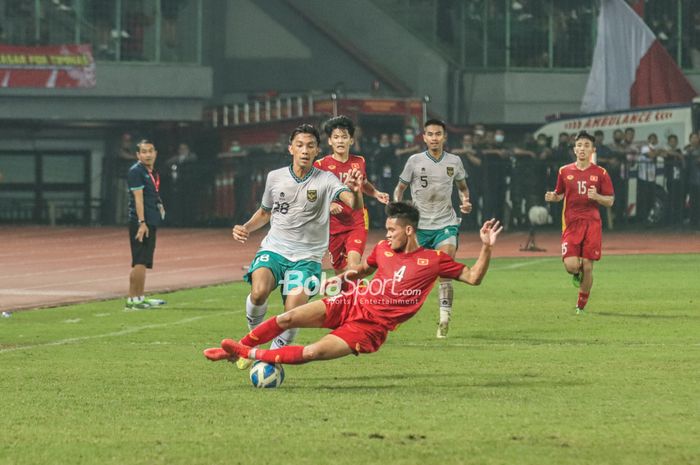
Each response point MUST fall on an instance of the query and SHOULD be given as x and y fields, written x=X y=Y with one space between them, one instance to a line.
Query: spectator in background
x=472 y=161
x=182 y=169
x=496 y=166
x=135 y=23
x=560 y=155
x=692 y=160
x=479 y=133
x=674 y=166
x=693 y=40
x=606 y=159
x=646 y=178
x=522 y=194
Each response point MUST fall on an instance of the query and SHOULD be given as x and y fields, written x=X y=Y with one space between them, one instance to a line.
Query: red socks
x=265 y=332
x=290 y=355
x=582 y=300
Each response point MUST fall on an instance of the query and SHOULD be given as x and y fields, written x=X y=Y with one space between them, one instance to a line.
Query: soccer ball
x=265 y=375
x=538 y=215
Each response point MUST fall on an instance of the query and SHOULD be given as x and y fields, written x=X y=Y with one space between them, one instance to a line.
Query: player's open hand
x=354 y=180
x=383 y=197
x=465 y=207
x=336 y=208
x=490 y=231
x=240 y=233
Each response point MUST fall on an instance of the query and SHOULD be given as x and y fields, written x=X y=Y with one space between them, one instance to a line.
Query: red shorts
x=340 y=244
x=582 y=239
x=345 y=317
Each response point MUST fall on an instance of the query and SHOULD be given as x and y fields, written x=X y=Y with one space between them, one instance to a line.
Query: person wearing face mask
x=472 y=160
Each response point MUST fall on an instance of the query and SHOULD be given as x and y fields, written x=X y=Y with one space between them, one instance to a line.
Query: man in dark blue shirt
x=146 y=212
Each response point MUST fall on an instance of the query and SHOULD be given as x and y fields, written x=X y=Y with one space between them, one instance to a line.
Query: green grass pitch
x=520 y=380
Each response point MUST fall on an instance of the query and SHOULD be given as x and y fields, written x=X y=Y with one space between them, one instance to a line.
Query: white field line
x=123 y=332
x=49 y=293
x=121 y=278
x=530 y=262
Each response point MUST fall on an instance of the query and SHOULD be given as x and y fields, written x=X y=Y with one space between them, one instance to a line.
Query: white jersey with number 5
x=432 y=181
x=300 y=212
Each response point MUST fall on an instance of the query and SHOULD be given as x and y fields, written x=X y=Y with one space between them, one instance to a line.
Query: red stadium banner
x=48 y=67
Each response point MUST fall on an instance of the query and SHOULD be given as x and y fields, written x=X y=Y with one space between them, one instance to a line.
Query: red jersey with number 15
x=349 y=218
x=574 y=184
x=402 y=282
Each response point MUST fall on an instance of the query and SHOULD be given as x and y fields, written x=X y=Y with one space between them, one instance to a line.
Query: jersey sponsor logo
x=570 y=177
x=450 y=170
x=423 y=261
x=311 y=195
x=281 y=194
x=594 y=178
x=388 y=254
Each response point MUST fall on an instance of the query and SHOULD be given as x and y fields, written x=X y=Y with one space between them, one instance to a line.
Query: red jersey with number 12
x=402 y=282
x=349 y=218
x=574 y=184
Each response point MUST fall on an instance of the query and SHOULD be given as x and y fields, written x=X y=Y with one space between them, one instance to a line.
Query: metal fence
x=537 y=34
x=119 y=30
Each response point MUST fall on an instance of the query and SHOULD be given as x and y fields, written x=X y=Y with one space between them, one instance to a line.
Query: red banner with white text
x=48 y=66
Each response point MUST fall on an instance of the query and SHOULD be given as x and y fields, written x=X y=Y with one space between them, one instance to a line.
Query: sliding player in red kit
x=348 y=228
x=583 y=186
x=360 y=320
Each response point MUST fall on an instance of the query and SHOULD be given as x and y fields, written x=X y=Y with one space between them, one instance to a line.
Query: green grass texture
x=521 y=379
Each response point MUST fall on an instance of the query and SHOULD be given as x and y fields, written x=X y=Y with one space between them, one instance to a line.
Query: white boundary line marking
x=123 y=332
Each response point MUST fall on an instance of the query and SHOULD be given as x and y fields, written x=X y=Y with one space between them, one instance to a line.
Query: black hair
x=435 y=122
x=598 y=133
x=305 y=129
x=144 y=141
x=403 y=211
x=339 y=122
x=585 y=135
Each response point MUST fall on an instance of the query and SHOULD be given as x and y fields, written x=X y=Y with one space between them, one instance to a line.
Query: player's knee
x=572 y=267
x=258 y=295
x=587 y=266
x=311 y=353
x=285 y=320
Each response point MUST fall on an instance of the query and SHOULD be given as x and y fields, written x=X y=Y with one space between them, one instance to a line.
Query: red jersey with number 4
x=574 y=184
x=349 y=218
x=402 y=282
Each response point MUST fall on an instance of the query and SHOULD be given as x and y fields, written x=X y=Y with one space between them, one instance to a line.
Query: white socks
x=445 y=295
x=255 y=314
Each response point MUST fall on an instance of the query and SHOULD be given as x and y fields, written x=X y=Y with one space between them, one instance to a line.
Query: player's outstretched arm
x=489 y=233
x=259 y=219
x=369 y=189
